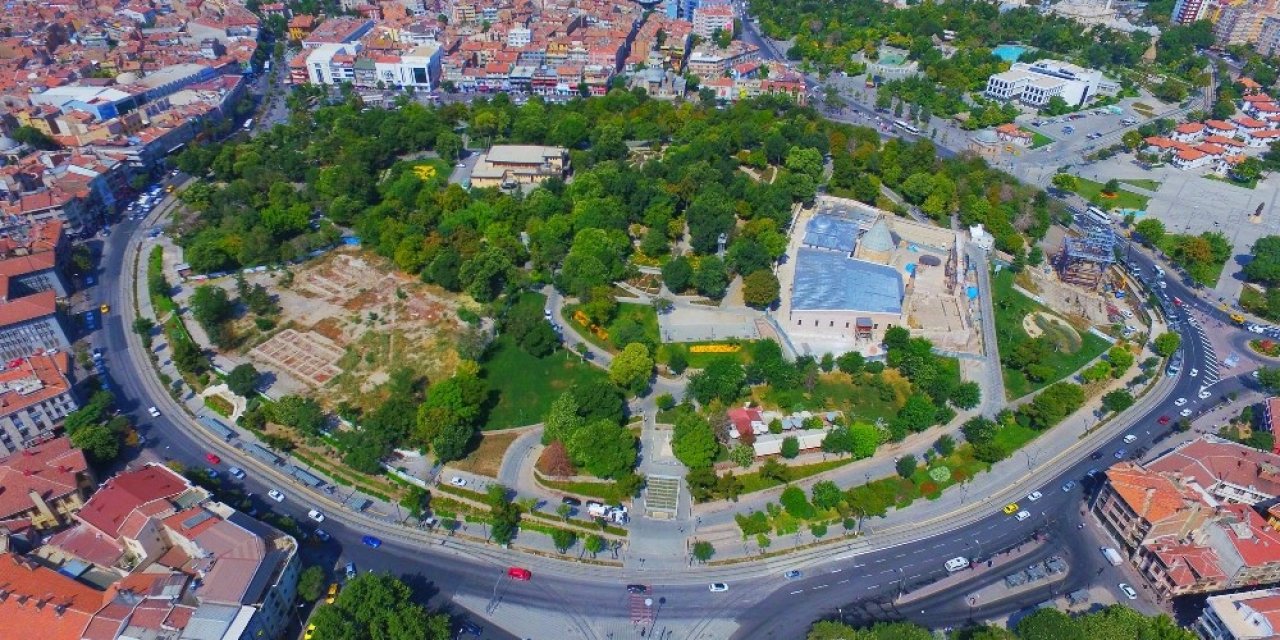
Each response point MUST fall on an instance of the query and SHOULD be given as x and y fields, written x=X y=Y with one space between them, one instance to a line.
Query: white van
x=956 y=564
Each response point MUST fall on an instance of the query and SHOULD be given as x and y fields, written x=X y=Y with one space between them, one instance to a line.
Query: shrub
x=906 y=466
x=796 y=504
x=940 y=473
x=790 y=447
x=665 y=402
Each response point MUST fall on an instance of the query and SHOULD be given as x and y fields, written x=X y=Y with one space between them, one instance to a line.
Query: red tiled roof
x=115 y=500
x=38 y=305
x=1212 y=461
x=1189 y=127
x=50 y=469
x=68 y=605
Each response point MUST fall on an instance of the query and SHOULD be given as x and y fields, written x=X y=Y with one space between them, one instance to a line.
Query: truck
x=616 y=514
x=1112 y=556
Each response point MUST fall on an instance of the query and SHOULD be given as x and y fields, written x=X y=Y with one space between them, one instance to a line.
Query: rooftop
x=51 y=469
x=828 y=280
x=1220 y=466
x=1251 y=615
x=107 y=509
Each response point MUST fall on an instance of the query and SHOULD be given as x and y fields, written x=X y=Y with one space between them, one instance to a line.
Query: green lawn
x=1010 y=308
x=1143 y=183
x=1252 y=184
x=523 y=387
x=839 y=392
x=701 y=360
x=753 y=481
x=1092 y=191
x=1038 y=139
x=642 y=314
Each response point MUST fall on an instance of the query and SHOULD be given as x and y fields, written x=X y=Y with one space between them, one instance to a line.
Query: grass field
x=1143 y=183
x=523 y=387
x=1010 y=308
x=701 y=360
x=755 y=482
x=1092 y=191
x=858 y=399
x=642 y=314
x=1038 y=139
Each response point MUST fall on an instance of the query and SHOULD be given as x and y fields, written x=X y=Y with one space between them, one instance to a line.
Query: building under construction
x=1084 y=259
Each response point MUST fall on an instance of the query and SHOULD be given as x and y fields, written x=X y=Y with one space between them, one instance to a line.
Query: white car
x=236 y=472
x=1204 y=395
x=1179 y=402
x=275 y=494
x=1185 y=413
x=1130 y=438
x=155 y=413
x=717 y=587
x=1034 y=495
x=315 y=515
x=1023 y=515
x=1194 y=372
x=458 y=482
x=1128 y=591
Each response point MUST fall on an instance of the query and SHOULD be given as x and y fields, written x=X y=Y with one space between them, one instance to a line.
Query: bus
x=1097 y=216
x=902 y=124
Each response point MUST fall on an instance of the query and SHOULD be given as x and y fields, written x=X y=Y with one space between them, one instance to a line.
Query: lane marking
x=843 y=581
x=797 y=591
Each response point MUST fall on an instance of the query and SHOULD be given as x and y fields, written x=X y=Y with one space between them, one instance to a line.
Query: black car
x=470 y=627
x=571 y=501
x=638 y=588
x=1097 y=455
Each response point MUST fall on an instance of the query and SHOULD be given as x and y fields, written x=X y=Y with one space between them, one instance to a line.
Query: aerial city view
x=640 y=319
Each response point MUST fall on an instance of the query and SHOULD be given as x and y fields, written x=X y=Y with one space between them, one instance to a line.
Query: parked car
x=236 y=472
x=315 y=515
x=1129 y=592
x=571 y=501
x=371 y=541
x=1034 y=495
x=351 y=570
x=1068 y=485
x=333 y=593
x=458 y=482
x=1179 y=402
x=275 y=494
x=322 y=535
x=1120 y=453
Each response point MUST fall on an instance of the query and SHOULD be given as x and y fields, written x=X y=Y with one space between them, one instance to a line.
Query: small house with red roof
x=1188 y=132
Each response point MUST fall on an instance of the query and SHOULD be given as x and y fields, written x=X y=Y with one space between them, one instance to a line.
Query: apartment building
x=1249 y=615
x=44 y=485
x=1186 y=12
x=35 y=396
x=708 y=18
x=196 y=565
x=1187 y=519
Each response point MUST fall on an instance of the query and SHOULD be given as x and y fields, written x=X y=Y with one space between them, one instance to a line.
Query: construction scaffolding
x=1084 y=259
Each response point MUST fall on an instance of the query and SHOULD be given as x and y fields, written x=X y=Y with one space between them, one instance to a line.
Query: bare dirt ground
x=349 y=319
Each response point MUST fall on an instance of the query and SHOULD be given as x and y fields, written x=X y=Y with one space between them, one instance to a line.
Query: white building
x=1251 y=615
x=320 y=62
x=519 y=36
x=1034 y=84
x=419 y=68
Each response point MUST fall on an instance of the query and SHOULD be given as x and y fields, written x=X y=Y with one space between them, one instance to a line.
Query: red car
x=519 y=573
x=1177 y=301
x=1163 y=420
x=213 y=459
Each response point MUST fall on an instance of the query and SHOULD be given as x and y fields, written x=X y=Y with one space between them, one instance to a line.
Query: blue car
x=371 y=541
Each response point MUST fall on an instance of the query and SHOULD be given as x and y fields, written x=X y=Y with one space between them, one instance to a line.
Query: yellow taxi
x=105 y=308
x=311 y=631
x=333 y=594
x=1011 y=508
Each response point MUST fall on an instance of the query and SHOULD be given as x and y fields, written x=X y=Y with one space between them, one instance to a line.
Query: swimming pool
x=1009 y=52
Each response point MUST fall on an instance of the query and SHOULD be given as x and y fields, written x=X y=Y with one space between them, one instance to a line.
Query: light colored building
x=1241 y=23
x=1250 y=615
x=510 y=166
x=519 y=36
x=35 y=396
x=710 y=17
x=1035 y=83
x=1268 y=43
x=892 y=64
x=1186 y=12
x=320 y=63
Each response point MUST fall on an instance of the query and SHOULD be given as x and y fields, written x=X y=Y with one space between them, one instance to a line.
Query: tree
x=966 y=395
x=562 y=420
x=760 y=289
x=555 y=461
x=97 y=440
x=1121 y=359
x=603 y=448
x=826 y=494
x=722 y=379
x=1066 y=182
x=300 y=413
x=311 y=583
x=1112 y=186
x=378 y=606
x=944 y=445
x=703 y=551
x=1269 y=378
x=242 y=379
x=850 y=362
x=1117 y=400
x=504 y=517
x=906 y=465
x=599 y=399
x=743 y=455
x=693 y=442
x=563 y=539
x=677 y=274
x=593 y=544
x=564 y=511
x=1049 y=624
x=1151 y=230
x=711 y=278
x=632 y=368
x=1167 y=343
x=790 y=447
x=1131 y=139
